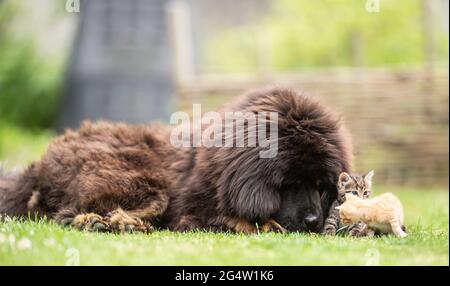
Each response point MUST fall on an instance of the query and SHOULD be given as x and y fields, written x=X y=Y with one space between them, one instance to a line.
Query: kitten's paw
x=403 y=235
x=356 y=233
x=120 y=221
x=272 y=226
x=329 y=230
x=360 y=230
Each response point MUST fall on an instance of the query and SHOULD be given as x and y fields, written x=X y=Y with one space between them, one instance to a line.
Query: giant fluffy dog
x=115 y=177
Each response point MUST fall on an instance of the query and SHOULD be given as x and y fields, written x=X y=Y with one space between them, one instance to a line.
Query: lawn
x=45 y=243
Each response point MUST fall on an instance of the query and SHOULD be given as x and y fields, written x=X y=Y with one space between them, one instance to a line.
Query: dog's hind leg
x=153 y=208
x=81 y=221
x=115 y=221
x=141 y=218
x=121 y=219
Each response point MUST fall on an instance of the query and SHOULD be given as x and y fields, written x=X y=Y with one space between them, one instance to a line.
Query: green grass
x=19 y=147
x=45 y=243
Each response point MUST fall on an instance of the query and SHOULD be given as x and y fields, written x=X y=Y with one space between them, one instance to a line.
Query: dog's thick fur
x=118 y=177
x=90 y=177
x=222 y=188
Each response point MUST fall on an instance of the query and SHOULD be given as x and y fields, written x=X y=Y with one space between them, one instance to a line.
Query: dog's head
x=258 y=194
x=297 y=186
x=300 y=210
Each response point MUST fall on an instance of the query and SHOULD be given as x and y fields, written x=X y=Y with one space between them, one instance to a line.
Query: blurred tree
x=304 y=34
x=29 y=85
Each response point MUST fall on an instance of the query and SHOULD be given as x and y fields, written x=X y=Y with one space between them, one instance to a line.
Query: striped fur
x=359 y=185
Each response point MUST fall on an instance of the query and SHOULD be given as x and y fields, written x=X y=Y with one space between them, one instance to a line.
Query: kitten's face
x=357 y=185
x=349 y=210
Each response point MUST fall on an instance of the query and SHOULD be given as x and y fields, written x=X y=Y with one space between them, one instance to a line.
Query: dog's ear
x=249 y=186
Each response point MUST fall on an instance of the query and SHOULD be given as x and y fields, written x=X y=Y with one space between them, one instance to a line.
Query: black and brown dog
x=116 y=177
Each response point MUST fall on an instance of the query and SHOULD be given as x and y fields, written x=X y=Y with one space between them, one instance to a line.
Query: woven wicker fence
x=399 y=119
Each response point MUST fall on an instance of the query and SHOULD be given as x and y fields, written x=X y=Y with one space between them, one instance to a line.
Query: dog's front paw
x=272 y=226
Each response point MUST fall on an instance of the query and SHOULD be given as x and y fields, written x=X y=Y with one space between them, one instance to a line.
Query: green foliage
x=29 y=90
x=45 y=243
x=19 y=146
x=29 y=84
x=303 y=34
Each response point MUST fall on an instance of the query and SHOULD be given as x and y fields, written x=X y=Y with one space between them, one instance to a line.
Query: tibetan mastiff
x=117 y=177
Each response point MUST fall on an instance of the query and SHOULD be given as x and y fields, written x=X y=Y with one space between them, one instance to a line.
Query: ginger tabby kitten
x=383 y=214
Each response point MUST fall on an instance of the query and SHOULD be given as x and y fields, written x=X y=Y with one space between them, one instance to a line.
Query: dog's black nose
x=311 y=221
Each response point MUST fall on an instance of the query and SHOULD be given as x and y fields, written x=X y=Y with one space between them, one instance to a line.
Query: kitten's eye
x=355 y=193
x=365 y=193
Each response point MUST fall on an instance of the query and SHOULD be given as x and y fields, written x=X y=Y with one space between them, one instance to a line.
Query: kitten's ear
x=344 y=179
x=368 y=176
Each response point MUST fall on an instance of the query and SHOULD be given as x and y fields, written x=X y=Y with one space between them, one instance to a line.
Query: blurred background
x=382 y=64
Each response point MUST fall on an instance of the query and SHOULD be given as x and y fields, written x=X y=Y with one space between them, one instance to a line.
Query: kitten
x=383 y=213
x=358 y=185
